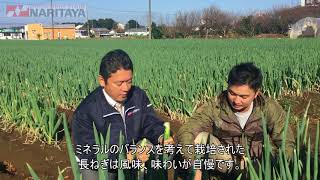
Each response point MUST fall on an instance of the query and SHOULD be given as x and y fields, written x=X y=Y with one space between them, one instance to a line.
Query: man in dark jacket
x=235 y=118
x=118 y=104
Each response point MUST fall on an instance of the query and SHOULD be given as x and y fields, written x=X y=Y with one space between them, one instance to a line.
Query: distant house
x=136 y=32
x=306 y=27
x=100 y=32
x=121 y=27
x=309 y=3
x=43 y=32
x=12 y=33
x=80 y=32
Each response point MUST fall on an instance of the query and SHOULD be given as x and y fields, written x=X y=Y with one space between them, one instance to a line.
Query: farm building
x=309 y=3
x=12 y=33
x=81 y=32
x=306 y=27
x=137 y=32
x=100 y=32
x=43 y=32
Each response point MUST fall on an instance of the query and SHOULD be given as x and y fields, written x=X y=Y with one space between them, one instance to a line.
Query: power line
x=52 y=28
x=97 y=12
x=95 y=8
x=130 y=11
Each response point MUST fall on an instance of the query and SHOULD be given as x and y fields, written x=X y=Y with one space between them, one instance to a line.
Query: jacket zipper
x=124 y=123
x=125 y=126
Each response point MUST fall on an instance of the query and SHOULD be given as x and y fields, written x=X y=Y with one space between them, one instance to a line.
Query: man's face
x=118 y=84
x=240 y=97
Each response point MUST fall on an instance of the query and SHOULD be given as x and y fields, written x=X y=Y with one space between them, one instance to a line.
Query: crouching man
x=234 y=119
x=120 y=105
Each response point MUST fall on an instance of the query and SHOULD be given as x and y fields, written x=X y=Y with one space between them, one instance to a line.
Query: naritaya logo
x=61 y=11
x=17 y=11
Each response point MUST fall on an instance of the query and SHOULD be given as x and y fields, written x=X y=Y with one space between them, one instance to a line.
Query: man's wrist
x=160 y=139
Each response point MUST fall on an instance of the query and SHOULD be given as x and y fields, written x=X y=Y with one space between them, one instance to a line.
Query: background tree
x=245 y=26
x=157 y=31
x=101 y=23
x=132 y=24
x=215 y=21
x=186 y=23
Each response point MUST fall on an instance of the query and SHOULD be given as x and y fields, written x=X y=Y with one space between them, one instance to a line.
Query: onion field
x=40 y=77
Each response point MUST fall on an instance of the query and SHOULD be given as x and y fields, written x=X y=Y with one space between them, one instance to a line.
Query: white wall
x=12 y=36
x=137 y=33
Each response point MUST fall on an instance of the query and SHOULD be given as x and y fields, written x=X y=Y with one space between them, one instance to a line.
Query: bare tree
x=216 y=22
x=187 y=22
x=181 y=23
x=193 y=21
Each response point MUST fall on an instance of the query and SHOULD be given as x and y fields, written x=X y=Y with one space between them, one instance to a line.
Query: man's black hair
x=246 y=74
x=113 y=61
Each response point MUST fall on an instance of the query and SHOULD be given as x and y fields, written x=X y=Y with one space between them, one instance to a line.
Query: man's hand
x=243 y=163
x=141 y=154
x=170 y=140
x=130 y=156
x=197 y=175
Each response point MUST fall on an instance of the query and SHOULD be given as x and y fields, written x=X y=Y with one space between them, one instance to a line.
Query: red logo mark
x=17 y=11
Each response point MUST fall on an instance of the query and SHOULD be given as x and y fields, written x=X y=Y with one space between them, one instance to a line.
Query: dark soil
x=45 y=159
x=299 y=105
x=270 y=36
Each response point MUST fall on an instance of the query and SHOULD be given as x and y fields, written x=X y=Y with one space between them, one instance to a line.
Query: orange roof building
x=44 y=32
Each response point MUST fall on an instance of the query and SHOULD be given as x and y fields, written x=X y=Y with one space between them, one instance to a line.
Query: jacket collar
x=228 y=115
x=106 y=103
x=108 y=98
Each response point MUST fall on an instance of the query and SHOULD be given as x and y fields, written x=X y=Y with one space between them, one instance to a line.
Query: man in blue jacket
x=118 y=104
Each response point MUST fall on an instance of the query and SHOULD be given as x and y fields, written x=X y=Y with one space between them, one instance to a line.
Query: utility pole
x=136 y=23
x=88 y=25
x=150 y=21
x=52 y=28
